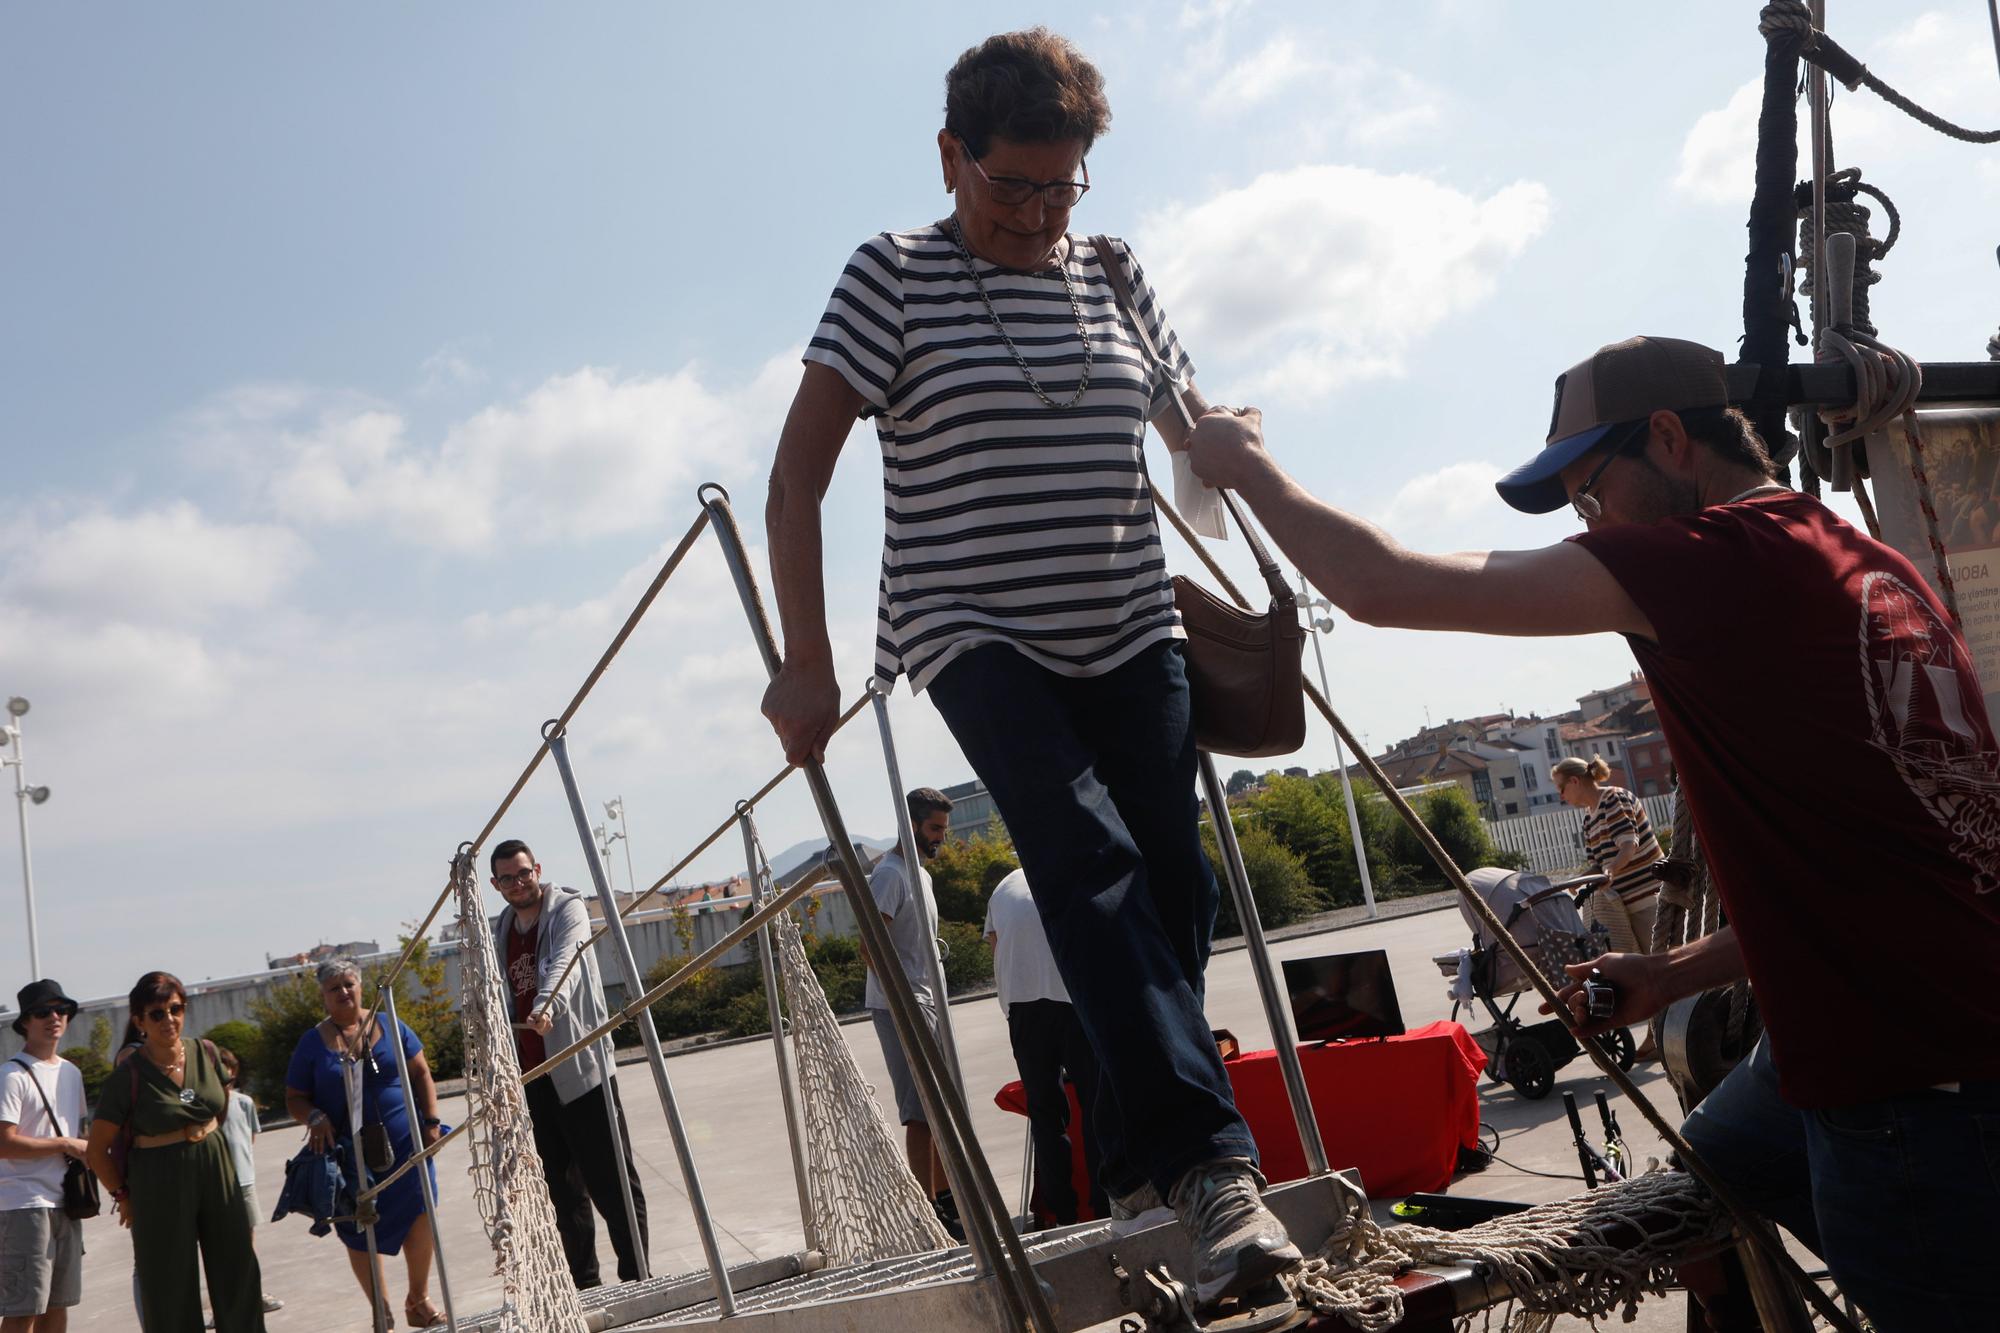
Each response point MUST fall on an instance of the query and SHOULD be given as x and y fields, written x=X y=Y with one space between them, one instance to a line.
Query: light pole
x=24 y=796
x=614 y=811
x=1323 y=624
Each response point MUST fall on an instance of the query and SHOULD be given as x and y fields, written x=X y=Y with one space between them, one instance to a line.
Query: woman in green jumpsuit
x=178 y=1186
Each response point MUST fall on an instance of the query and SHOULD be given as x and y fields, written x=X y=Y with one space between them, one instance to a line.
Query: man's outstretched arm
x=1559 y=589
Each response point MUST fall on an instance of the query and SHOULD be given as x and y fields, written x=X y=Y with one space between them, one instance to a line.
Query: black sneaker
x=947 y=1215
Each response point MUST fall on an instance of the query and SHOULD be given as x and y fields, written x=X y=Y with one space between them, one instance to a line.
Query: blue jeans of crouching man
x=1900 y=1197
x=1095 y=778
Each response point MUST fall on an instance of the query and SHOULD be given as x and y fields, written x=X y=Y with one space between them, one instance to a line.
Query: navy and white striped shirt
x=1007 y=521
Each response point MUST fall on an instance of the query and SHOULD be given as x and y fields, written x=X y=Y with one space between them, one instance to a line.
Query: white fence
x=1553 y=841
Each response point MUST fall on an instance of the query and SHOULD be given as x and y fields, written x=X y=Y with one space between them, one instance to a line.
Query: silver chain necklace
x=1075 y=308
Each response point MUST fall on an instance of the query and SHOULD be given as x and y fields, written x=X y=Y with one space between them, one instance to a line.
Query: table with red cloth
x=1395 y=1110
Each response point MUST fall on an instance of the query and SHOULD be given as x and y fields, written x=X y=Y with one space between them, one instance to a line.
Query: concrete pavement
x=730 y=1102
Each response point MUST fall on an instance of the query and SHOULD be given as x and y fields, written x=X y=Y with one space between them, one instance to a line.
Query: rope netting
x=865 y=1203
x=1587 y=1256
x=537 y=1294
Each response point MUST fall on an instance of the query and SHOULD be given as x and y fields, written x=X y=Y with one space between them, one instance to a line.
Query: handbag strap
x=43 y=1092
x=1121 y=288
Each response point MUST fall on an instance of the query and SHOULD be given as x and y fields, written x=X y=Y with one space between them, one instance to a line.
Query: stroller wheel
x=1530 y=1069
x=1617 y=1044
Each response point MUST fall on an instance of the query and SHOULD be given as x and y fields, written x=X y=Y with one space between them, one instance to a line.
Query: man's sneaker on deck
x=1136 y=1211
x=1237 y=1242
x=946 y=1209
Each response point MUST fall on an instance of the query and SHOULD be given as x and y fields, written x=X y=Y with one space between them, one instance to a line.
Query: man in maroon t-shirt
x=1843 y=777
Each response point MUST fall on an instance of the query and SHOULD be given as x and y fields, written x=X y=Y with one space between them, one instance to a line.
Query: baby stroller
x=1543 y=918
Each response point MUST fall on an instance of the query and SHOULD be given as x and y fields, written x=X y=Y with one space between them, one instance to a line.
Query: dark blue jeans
x=1095 y=778
x=1900 y=1197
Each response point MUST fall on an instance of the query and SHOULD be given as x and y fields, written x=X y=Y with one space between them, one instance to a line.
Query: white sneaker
x=1237 y=1241
x=272 y=1305
x=1137 y=1211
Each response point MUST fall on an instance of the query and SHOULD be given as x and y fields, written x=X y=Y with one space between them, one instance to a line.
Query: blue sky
x=361 y=365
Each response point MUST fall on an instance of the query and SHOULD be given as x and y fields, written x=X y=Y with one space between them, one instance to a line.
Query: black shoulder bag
x=1243 y=670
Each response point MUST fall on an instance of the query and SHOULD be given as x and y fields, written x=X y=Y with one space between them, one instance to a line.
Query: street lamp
x=24 y=796
x=1323 y=624
x=614 y=811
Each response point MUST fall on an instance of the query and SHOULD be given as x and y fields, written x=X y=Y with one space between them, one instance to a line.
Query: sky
x=361 y=363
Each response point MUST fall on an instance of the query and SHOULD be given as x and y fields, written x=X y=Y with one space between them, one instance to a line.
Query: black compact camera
x=1600 y=998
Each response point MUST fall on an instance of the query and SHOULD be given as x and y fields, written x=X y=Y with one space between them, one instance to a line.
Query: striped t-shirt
x=1007 y=521
x=1619 y=814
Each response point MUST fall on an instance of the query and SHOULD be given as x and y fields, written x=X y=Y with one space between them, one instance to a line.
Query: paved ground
x=730 y=1102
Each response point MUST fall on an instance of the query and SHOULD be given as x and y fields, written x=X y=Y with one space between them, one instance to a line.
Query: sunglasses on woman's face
x=53 y=1011
x=160 y=1014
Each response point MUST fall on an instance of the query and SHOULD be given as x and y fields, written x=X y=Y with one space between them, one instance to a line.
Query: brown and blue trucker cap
x=1618 y=384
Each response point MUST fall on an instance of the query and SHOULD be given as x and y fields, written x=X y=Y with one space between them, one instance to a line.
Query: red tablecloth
x=1397 y=1110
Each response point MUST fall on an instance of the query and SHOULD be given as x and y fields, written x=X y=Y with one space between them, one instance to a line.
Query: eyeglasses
x=53 y=1011
x=161 y=1013
x=1587 y=506
x=517 y=877
x=1015 y=190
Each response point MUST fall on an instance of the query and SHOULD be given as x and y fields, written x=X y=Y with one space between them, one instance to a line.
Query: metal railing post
x=378 y=1304
x=906 y=843
x=416 y=1142
x=1277 y=1010
x=787 y=1077
x=704 y=1224
x=996 y=1247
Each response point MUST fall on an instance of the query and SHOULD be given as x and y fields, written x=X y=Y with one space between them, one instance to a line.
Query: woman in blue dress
x=346 y=1062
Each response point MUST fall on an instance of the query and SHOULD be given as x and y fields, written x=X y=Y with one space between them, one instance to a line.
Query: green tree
x=1240 y=781
x=1297 y=813
x=968 y=959
x=1278 y=883
x=1454 y=820
x=284 y=1013
x=93 y=1058
x=963 y=875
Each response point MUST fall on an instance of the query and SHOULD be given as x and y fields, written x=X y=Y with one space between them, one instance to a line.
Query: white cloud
x=1944 y=61
x=1446 y=498
x=1210 y=13
x=1322 y=275
x=581 y=455
x=1352 y=100
x=1260 y=77
x=168 y=565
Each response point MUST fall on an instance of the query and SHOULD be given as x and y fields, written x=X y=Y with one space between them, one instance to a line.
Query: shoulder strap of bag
x=42 y=1092
x=1121 y=287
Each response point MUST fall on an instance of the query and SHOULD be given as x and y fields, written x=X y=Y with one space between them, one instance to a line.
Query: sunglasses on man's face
x=161 y=1013
x=53 y=1011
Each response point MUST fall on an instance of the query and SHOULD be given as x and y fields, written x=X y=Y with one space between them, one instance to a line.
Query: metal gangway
x=1061 y=1280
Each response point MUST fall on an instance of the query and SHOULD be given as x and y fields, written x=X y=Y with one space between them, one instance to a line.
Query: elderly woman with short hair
x=177 y=1187
x=1024 y=586
x=345 y=1061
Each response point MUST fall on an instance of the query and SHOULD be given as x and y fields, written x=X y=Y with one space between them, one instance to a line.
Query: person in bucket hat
x=41 y=1128
x=1835 y=753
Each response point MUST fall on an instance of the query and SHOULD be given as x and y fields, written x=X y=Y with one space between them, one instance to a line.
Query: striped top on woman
x=1620 y=818
x=1011 y=516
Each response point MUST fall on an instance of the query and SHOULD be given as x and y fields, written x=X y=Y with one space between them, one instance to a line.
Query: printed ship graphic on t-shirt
x=1919 y=709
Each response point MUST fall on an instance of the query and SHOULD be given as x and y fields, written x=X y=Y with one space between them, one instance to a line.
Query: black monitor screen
x=1343 y=995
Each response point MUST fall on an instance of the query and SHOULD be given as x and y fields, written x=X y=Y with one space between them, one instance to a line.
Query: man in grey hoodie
x=534 y=938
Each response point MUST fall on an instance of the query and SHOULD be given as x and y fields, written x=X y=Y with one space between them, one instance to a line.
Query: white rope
x=536 y=1291
x=866 y=1204
x=1586 y=1256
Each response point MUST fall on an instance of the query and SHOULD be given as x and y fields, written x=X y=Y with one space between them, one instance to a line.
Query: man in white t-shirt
x=1048 y=1045
x=911 y=915
x=41 y=1127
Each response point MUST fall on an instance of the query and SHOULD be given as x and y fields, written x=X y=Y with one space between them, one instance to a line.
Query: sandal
x=424 y=1315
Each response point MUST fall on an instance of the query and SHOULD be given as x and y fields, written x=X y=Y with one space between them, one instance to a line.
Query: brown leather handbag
x=1243 y=668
